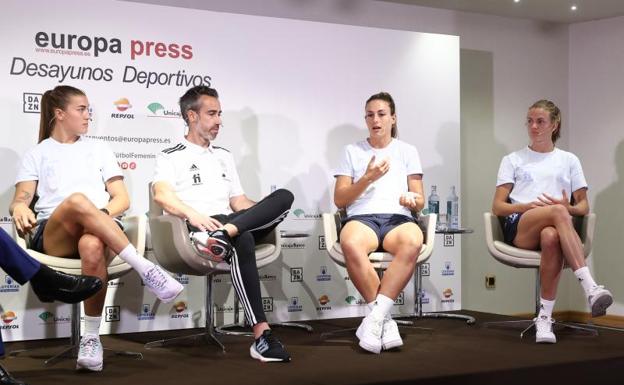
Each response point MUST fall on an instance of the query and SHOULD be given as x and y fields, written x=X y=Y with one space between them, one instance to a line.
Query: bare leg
x=93 y=254
x=533 y=221
x=75 y=216
x=551 y=263
x=404 y=242
x=358 y=240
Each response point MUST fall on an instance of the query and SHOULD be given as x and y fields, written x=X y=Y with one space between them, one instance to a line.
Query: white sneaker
x=90 y=353
x=369 y=332
x=162 y=284
x=599 y=300
x=390 y=337
x=543 y=330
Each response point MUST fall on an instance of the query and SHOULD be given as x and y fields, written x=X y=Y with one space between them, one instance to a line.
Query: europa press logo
x=159 y=111
x=122 y=105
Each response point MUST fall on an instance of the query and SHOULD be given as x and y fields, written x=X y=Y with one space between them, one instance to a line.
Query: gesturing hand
x=376 y=169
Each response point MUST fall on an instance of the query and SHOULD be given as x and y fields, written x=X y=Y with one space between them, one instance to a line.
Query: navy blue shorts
x=36 y=240
x=381 y=224
x=510 y=227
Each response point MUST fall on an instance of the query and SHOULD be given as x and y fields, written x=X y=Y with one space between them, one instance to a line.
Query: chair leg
x=67 y=351
x=528 y=324
x=238 y=324
x=71 y=350
x=208 y=336
x=418 y=313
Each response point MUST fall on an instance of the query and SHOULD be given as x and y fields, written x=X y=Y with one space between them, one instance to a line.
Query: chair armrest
x=329 y=229
x=135 y=228
x=21 y=241
x=585 y=227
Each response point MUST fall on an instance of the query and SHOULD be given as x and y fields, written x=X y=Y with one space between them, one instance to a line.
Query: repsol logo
x=95 y=45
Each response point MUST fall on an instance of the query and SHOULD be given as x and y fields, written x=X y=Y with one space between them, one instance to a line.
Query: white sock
x=371 y=306
x=585 y=278
x=546 y=307
x=92 y=325
x=383 y=305
x=138 y=263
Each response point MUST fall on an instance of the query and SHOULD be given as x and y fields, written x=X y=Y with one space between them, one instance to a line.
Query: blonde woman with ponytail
x=538 y=190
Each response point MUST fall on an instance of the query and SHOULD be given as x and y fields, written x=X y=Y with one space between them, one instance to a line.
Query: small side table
x=450 y=234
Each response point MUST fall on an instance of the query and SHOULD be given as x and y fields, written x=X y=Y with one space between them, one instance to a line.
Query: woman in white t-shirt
x=532 y=194
x=80 y=190
x=379 y=183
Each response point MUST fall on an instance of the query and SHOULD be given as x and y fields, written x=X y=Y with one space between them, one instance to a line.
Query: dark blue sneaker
x=267 y=348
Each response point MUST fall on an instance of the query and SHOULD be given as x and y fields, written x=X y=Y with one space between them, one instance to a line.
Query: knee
x=78 y=202
x=352 y=249
x=286 y=197
x=560 y=213
x=92 y=252
x=410 y=250
x=549 y=238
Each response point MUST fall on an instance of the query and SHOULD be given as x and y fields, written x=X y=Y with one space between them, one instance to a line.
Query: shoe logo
x=262 y=346
x=193 y=168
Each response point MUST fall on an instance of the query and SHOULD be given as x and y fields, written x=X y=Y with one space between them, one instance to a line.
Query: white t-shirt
x=382 y=196
x=62 y=169
x=535 y=173
x=203 y=178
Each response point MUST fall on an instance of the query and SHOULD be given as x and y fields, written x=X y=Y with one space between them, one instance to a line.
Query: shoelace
x=546 y=324
x=271 y=341
x=89 y=346
x=594 y=289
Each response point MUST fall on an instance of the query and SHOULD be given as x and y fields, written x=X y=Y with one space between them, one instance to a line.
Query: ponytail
x=50 y=101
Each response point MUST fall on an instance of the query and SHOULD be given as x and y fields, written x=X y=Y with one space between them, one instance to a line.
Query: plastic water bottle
x=452 y=209
x=434 y=201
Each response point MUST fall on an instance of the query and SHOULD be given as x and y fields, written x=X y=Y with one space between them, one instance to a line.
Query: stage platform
x=451 y=353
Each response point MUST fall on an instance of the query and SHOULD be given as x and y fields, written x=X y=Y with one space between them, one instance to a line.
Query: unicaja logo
x=45 y=316
x=155 y=107
x=159 y=111
x=301 y=214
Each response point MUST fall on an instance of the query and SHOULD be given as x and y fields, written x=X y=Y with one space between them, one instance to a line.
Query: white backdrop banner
x=293 y=95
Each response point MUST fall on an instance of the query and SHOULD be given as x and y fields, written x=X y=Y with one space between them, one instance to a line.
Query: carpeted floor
x=451 y=353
